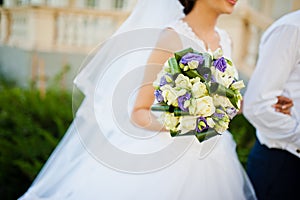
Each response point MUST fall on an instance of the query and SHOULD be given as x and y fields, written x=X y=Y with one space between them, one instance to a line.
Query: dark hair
x=188 y=5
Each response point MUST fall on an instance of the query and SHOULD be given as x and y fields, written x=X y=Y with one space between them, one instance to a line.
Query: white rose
x=195 y=80
x=170 y=95
x=171 y=122
x=221 y=126
x=180 y=92
x=199 y=90
x=238 y=85
x=193 y=64
x=225 y=78
x=210 y=122
x=187 y=103
x=202 y=106
x=218 y=53
x=221 y=101
x=183 y=82
x=188 y=123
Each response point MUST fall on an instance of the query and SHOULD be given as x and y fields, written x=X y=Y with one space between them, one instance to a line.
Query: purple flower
x=212 y=78
x=163 y=80
x=158 y=95
x=201 y=125
x=181 y=101
x=231 y=112
x=190 y=57
x=219 y=115
x=205 y=76
x=220 y=64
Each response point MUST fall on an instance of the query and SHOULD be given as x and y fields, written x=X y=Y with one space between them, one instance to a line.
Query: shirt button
x=298 y=150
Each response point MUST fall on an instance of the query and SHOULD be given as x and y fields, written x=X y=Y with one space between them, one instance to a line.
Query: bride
x=105 y=156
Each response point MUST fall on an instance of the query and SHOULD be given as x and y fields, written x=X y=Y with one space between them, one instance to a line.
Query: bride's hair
x=188 y=5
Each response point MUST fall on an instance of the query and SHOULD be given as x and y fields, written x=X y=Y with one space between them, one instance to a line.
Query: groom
x=274 y=163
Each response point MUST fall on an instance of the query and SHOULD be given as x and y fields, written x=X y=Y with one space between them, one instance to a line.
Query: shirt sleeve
x=278 y=56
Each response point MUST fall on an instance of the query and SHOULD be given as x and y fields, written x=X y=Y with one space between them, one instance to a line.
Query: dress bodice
x=185 y=31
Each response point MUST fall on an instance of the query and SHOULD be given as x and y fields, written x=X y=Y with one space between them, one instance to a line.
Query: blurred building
x=38 y=38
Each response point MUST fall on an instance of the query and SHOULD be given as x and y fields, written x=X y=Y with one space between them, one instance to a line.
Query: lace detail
x=183 y=28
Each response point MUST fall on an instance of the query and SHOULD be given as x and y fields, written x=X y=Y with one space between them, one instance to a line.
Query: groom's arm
x=278 y=56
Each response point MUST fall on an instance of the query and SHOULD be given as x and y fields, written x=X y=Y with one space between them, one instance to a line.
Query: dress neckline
x=194 y=36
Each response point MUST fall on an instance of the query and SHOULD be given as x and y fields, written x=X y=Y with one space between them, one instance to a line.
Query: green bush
x=30 y=128
x=244 y=135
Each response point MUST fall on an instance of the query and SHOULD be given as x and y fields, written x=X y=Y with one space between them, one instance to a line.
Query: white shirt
x=277 y=73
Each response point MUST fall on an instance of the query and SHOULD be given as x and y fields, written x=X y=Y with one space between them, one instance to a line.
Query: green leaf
x=229 y=62
x=192 y=73
x=160 y=107
x=200 y=136
x=174 y=133
x=178 y=112
x=216 y=88
x=206 y=135
x=179 y=54
x=207 y=60
x=234 y=101
x=175 y=69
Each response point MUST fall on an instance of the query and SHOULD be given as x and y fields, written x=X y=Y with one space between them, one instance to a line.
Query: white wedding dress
x=117 y=166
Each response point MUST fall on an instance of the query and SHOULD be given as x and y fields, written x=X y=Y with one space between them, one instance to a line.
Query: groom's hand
x=284 y=105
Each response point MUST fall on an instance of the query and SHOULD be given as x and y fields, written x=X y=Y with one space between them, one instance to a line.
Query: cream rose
x=238 y=85
x=170 y=95
x=225 y=78
x=221 y=101
x=199 y=90
x=221 y=126
x=202 y=106
x=187 y=123
x=183 y=82
x=170 y=121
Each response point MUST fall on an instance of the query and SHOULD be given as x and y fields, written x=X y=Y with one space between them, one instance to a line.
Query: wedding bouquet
x=197 y=93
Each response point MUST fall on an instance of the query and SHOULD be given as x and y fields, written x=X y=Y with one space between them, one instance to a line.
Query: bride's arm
x=141 y=115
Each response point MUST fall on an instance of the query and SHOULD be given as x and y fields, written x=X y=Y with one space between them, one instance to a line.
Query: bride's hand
x=284 y=105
